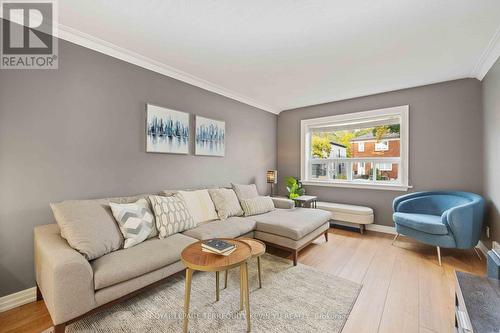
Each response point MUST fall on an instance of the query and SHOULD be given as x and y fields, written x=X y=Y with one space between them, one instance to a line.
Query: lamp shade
x=272 y=176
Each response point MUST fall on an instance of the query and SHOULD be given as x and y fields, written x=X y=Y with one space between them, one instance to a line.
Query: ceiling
x=284 y=54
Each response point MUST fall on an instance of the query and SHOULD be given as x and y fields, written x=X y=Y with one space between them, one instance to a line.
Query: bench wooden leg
x=60 y=328
x=295 y=255
x=39 y=295
x=326 y=235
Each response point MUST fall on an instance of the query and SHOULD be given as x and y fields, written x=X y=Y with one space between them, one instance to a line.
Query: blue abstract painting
x=167 y=131
x=210 y=137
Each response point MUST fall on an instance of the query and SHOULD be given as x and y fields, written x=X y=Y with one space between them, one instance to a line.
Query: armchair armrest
x=64 y=277
x=465 y=222
x=283 y=203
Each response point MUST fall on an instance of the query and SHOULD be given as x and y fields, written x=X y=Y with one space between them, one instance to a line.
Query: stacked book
x=218 y=246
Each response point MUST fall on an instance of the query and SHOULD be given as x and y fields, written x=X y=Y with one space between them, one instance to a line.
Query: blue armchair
x=441 y=219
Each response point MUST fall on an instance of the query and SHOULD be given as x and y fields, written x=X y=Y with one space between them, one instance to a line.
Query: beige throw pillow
x=200 y=205
x=171 y=215
x=245 y=191
x=257 y=205
x=226 y=203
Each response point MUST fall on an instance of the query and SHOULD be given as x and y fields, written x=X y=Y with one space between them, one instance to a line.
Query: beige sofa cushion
x=231 y=228
x=200 y=205
x=291 y=223
x=143 y=258
x=226 y=202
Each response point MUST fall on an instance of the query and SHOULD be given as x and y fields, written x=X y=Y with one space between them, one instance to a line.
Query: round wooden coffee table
x=196 y=260
x=258 y=249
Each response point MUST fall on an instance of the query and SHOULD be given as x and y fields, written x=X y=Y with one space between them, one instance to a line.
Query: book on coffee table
x=220 y=254
x=217 y=246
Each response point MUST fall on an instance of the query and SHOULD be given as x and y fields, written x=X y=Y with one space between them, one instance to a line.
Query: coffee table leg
x=260 y=272
x=247 y=297
x=216 y=286
x=242 y=294
x=187 y=296
x=225 y=279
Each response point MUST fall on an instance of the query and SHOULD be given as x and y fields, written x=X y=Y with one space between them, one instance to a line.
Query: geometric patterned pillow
x=171 y=215
x=136 y=221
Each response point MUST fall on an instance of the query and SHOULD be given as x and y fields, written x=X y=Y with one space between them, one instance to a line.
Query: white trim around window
x=368 y=117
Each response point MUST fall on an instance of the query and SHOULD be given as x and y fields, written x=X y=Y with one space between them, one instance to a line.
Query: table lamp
x=272 y=178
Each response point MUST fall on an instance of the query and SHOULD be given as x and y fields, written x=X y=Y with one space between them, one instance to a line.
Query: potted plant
x=294 y=187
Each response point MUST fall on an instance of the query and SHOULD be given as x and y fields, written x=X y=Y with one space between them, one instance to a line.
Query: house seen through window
x=363 y=148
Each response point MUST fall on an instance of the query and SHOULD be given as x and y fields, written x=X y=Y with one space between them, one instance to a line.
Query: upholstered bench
x=347 y=214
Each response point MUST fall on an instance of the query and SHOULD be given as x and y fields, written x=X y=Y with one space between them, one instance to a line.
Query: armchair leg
x=478 y=254
x=439 y=254
x=394 y=239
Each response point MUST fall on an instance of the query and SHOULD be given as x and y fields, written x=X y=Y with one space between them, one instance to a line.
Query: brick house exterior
x=367 y=146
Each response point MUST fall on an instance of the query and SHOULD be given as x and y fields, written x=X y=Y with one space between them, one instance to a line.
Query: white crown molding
x=115 y=51
x=488 y=57
x=17 y=299
x=88 y=41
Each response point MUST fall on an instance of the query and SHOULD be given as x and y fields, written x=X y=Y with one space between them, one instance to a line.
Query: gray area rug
x=292 y=299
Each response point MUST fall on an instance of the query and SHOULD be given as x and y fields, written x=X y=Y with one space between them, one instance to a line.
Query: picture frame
x=167 y=130
x=210 y=137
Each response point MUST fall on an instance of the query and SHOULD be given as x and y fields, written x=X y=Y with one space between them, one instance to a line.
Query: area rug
x=292 y=299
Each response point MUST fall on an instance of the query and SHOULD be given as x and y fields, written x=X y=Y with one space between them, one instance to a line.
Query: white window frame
x=361 y=147
x=382 y=145
x=305 y=134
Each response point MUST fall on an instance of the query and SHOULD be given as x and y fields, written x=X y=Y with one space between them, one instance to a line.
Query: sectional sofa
x=73 y=286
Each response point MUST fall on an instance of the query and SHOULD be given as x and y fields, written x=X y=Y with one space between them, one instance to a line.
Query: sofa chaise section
x=232 y=227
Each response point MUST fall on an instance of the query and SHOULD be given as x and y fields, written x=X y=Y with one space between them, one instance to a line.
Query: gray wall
x=78 y=132
x=445 y=142
x=491 y=109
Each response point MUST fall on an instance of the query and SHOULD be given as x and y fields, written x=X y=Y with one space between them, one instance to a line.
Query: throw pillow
x=257 y=205
x=136 y=221
x=245 y=191
x=226 y=203
x=171 y=215
x=200 y=205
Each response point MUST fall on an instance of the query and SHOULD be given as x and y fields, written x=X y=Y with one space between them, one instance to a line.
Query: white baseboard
x=17 y=299
x=483 y=248
x=381 y=228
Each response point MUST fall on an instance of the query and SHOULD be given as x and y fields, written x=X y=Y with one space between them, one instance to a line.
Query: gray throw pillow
x=88 y=226
x=226 y=203
x=136 y=221
x=257 y=205
x=245 y=191
x=171 y=215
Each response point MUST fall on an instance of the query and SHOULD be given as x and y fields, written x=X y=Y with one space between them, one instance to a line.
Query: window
x=382 y=145
x=330 y=148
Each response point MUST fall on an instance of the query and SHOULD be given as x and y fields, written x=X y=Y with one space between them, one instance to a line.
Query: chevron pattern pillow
x=136 y=221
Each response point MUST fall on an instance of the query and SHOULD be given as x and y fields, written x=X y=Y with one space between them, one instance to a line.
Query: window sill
x=387 y=187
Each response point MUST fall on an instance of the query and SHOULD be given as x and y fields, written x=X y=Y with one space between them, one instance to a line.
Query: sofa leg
x=295 y=255
x=39 y=295
x=60 y=328
x=439 y=254
x=326 y=235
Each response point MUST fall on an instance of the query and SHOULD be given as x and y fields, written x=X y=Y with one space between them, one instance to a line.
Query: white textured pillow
x=257 y=205
x=136 y=221
x=171 y=214
x=226 y=202
x=245 y=191
x=200 y=205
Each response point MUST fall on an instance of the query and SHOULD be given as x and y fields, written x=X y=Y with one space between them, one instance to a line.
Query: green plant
x=294 y=187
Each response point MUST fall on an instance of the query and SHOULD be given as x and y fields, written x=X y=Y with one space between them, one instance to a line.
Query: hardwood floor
x=404 y=289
